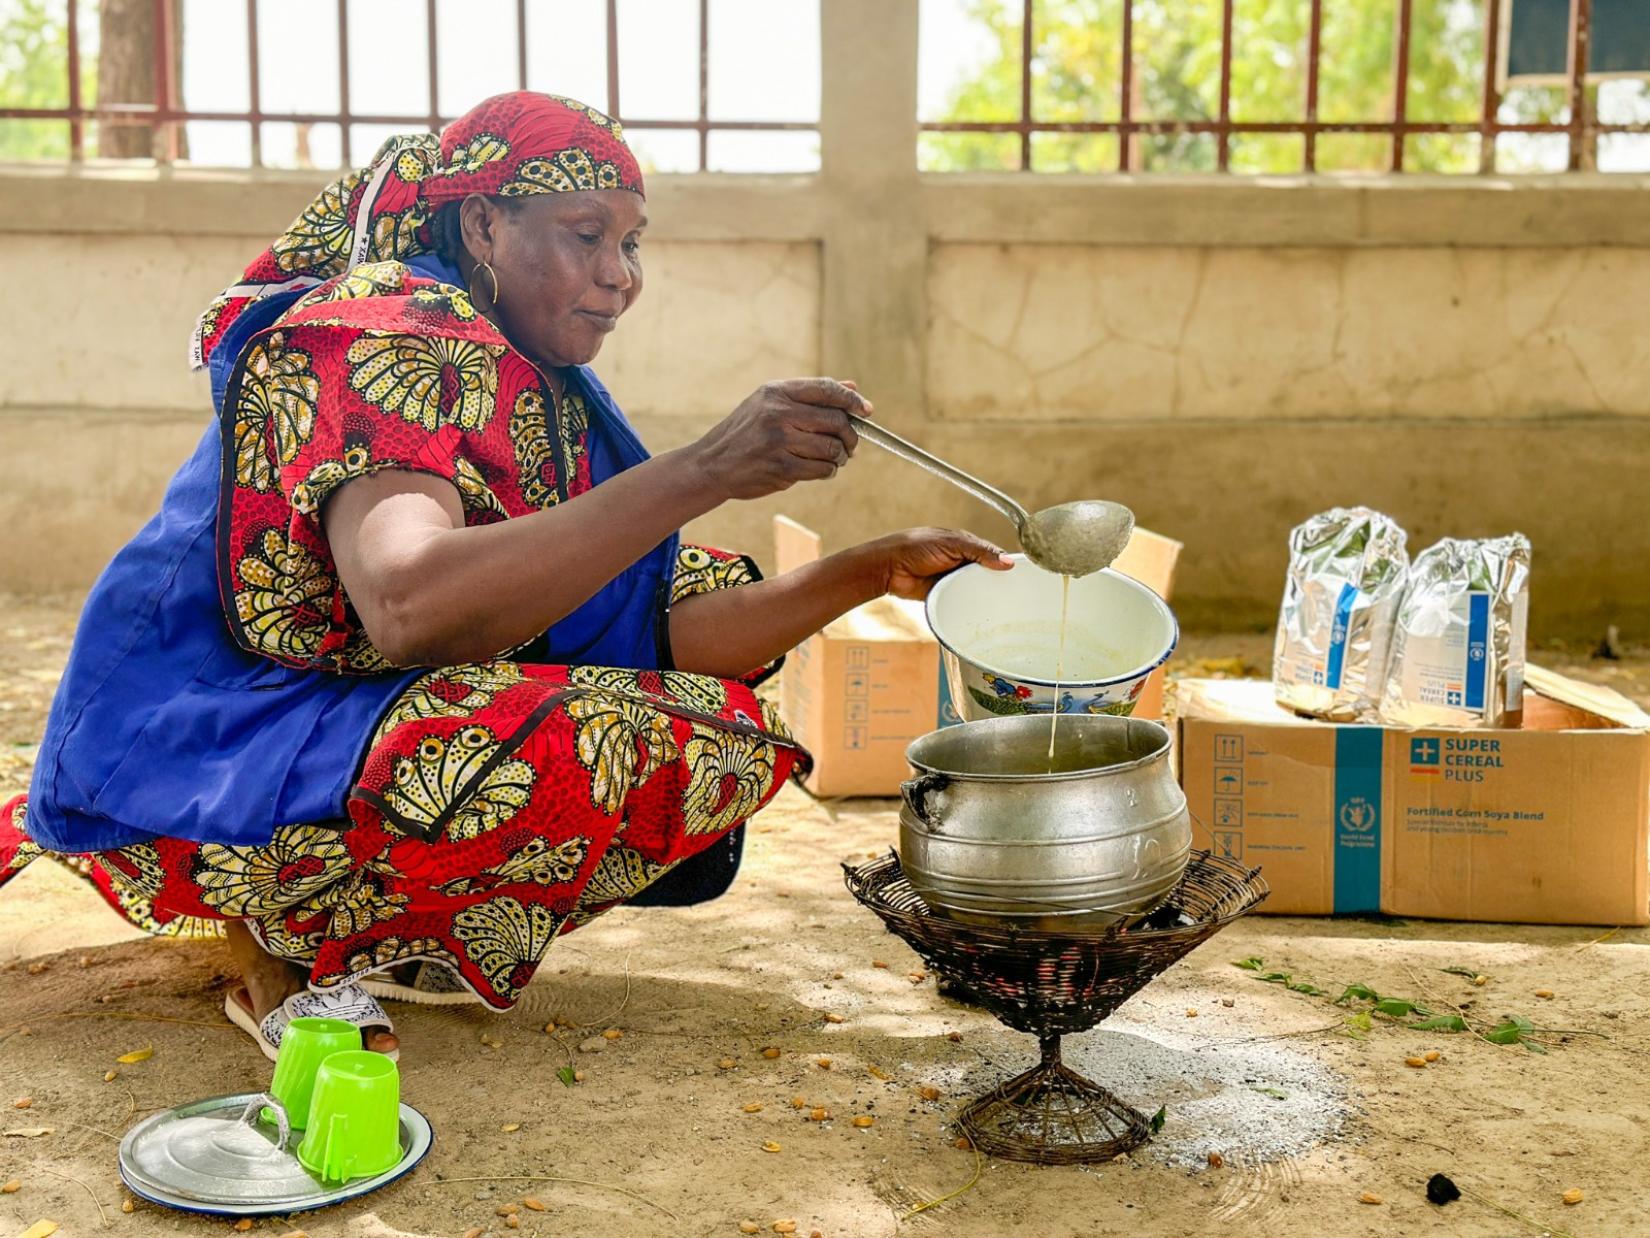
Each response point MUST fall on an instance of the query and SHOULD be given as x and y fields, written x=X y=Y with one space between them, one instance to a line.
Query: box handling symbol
x=858 y=711
x=857 y=684
x=854 y=737
x=1228 y=747
x=1229 y=812
x=1228 y=780
x=1229 y=844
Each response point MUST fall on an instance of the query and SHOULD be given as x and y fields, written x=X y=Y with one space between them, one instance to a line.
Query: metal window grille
x=1582 y=127
x=166 y=112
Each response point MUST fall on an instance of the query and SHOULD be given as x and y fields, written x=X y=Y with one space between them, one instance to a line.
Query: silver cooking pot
x=993 y=831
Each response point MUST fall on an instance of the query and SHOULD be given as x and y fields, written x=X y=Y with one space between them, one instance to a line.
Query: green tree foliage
x=34 y=72
x=1076 y=76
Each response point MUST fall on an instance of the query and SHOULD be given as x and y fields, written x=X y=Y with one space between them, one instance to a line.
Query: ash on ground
x=1253 y=1103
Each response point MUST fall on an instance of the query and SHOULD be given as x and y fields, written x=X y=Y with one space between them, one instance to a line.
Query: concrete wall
x=1227 y=355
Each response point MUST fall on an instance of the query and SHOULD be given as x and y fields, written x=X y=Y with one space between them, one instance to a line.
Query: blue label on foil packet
x=1478 y=647
x=1337 y=635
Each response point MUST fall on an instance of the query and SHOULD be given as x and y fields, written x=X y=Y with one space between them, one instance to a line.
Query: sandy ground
x=654 y=1140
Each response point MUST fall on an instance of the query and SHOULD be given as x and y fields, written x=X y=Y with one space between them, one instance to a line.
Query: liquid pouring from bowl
x=1071 y=539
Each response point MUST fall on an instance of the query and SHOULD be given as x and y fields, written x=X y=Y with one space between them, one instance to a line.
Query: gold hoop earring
x=492 y=276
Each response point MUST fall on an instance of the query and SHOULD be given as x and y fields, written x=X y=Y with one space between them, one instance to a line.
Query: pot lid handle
x=257 y=1105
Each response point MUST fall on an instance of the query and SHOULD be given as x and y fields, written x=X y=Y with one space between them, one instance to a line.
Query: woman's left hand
x=911 y=562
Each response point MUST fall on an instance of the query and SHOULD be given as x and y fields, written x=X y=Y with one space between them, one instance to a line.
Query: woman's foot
x=270 y=981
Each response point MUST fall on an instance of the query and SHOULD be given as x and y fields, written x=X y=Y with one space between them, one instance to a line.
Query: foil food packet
x=1458 y=649
x=1347 y=569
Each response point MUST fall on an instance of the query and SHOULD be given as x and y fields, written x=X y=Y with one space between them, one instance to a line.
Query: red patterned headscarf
x=524 y=143
x=511 y=145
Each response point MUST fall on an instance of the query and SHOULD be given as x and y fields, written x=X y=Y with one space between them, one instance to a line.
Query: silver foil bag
x=1347 y=568
x=1458 y=650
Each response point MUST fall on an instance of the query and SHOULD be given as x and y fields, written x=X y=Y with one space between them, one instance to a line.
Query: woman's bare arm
x=432 y=592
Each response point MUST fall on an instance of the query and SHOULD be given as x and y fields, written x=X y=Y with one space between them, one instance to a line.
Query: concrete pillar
x=875 y=239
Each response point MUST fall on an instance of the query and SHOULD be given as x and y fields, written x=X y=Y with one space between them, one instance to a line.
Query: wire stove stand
x=1055 y=984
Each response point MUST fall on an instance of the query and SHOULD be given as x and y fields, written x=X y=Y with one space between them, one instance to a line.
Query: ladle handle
x=911 y=453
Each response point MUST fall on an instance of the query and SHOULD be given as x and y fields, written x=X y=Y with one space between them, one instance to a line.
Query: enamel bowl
x=999 y=635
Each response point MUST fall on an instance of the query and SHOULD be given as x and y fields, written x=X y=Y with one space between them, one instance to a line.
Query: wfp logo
x=1357 y=815
x=1423 y=752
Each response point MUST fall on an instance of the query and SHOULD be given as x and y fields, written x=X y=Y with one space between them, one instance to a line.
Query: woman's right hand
x=783 y=433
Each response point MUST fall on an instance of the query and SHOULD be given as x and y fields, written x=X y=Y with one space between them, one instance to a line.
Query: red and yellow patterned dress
x=498 y=804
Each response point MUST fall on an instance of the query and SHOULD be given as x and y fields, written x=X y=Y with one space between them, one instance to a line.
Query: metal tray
x=213 y=1157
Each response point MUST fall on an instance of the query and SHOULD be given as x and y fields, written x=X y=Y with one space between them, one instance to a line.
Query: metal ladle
x=1071 y=539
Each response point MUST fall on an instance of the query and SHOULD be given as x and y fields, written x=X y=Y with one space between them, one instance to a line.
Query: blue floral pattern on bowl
x=1008 y=698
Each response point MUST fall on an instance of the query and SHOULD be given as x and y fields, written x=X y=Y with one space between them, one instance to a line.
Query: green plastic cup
x=306 y=1044
x=354 y=1126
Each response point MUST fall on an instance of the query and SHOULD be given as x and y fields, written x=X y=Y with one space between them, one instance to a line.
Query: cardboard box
x=857 y=693
x=1151 y=558
x=1549 y=824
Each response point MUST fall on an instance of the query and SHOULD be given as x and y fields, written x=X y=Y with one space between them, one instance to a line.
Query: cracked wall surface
x=1109 y=334
x=714 y=320
x=1442 y=367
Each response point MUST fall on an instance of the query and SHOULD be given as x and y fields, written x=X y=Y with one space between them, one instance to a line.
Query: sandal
x=428 y=984
x=348 y=1002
